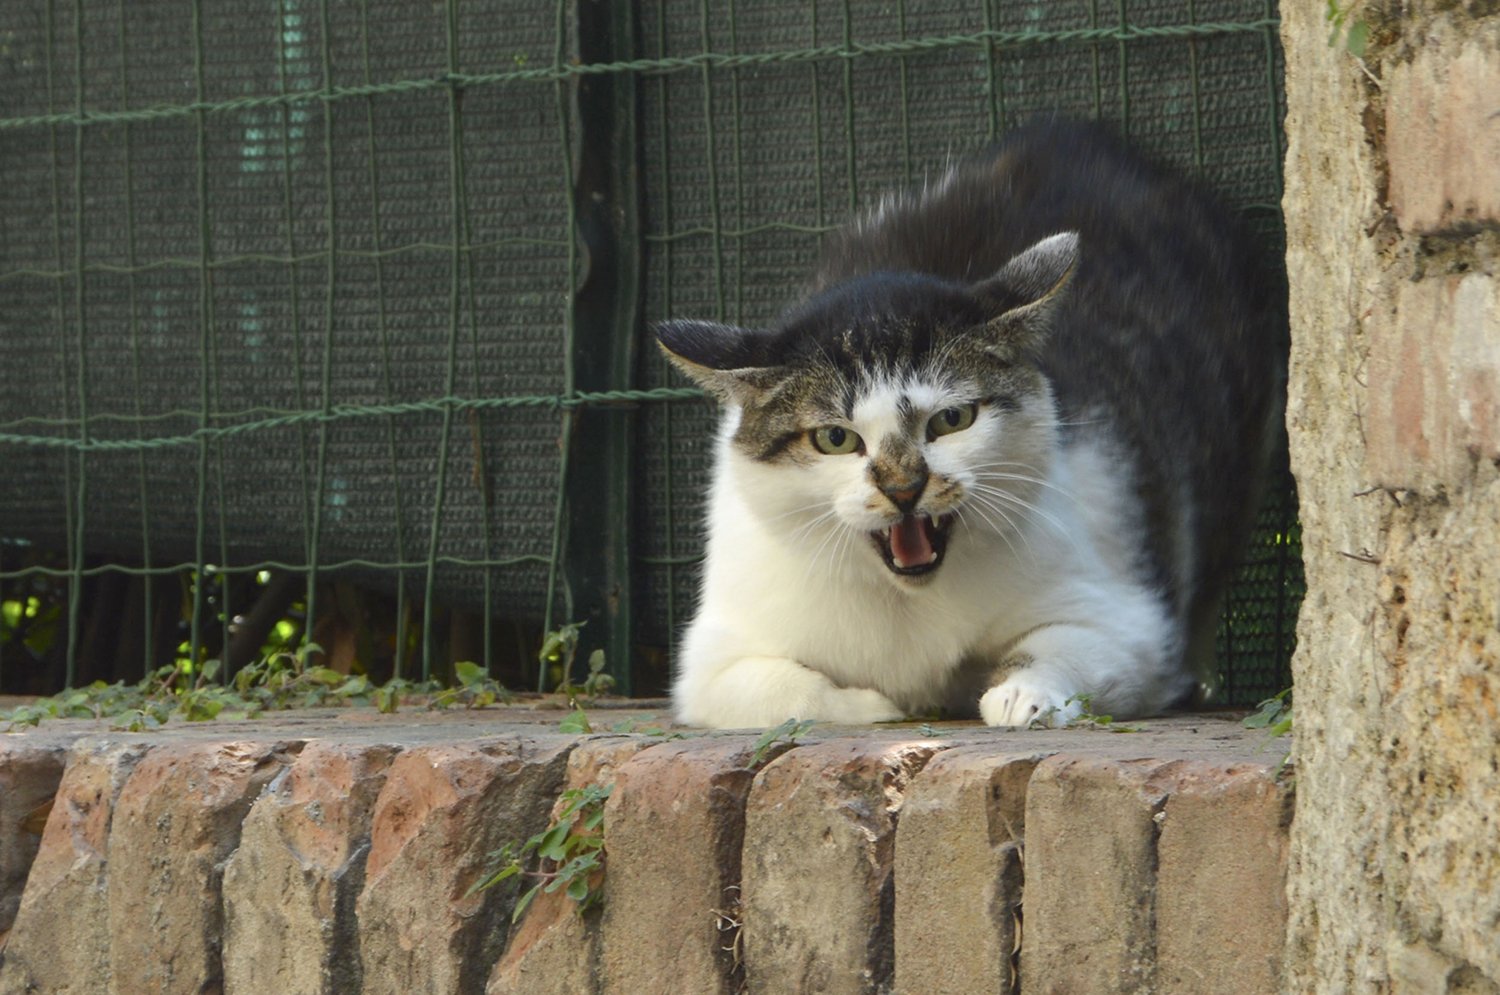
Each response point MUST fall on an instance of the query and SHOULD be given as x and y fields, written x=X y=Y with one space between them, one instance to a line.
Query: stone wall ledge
x=332 y=851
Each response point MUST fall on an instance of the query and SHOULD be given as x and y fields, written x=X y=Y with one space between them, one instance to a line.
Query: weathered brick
x=442 y=811
x=1433 y=403
x=676 y=828
x=1091 y=875
x=553 y=949
x=1442 y=139
x=297 y=873
x=1221 y=881
x=68 y=884
x=178 y=818
x=958 y=860
x=817 y=889
x=29 y=776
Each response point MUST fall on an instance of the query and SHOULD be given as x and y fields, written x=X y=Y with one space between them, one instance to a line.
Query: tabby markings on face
x=907 y=494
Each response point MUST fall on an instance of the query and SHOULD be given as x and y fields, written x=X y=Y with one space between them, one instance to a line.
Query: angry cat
x=999 y=459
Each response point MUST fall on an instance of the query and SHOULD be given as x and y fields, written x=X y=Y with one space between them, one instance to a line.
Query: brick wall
x=335 y=852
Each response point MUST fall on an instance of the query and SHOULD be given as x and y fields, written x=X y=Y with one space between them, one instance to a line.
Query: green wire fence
x=341 y=309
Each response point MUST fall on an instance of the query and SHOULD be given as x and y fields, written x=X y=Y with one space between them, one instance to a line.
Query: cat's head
x=893 y=406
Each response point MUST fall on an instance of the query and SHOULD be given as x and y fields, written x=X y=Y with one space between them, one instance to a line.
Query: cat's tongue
x=911 y=546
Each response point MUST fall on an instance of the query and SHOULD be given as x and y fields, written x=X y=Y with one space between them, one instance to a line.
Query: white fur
x=800 y=618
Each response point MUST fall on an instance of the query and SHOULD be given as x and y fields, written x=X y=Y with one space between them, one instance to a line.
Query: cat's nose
x=904 y=494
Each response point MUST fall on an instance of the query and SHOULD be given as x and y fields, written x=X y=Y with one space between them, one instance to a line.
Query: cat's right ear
x=724 y=360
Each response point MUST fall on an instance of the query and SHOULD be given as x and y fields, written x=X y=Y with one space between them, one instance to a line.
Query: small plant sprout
x=1086 y=718
x=569 y=854
x=788 y=732
x=597 y=682
x=475 y=688
x=557 y=653
x=576 y=721
x=280 y=680
x=1273 y=715
x=1353 y=32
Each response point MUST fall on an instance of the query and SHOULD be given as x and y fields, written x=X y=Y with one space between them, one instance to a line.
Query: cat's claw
x=1027 y=701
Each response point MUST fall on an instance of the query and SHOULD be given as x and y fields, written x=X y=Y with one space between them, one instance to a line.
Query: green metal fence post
x=606 y=312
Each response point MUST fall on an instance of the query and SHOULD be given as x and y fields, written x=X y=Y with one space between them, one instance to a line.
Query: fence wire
x=357 y=294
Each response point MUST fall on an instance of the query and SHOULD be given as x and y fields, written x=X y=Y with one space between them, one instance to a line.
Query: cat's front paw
x=1027 y=699
x=860 y=706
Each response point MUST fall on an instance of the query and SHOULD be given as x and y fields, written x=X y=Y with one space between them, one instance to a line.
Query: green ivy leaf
x=524 y=901
x=1357 y=39
x=469 y=673
x=485 y=883
x=357 y=685
x=326 y=676
x=554 y=844
x=575 y=721
x=560 y=641
x=790 y=730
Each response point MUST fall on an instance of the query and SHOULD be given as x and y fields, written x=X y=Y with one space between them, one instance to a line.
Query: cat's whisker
x=845 y=544
x=1016 y=500
x=1029 y=511
x=813 y=558
x=1004 y=534
x=983 y=505
x=839 y=535
x=802 y=530
x=804 y=508
x=991 y=471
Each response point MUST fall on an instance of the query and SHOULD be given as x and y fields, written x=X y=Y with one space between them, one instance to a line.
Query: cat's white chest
x=787 y=596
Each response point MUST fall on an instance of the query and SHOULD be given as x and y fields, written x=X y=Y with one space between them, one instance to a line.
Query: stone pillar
x=1393 y=233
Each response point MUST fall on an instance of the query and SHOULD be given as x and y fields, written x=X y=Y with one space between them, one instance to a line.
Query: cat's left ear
x=725 y=360
x=1025 y=289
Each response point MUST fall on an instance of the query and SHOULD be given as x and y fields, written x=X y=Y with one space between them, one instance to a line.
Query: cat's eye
x=950 y=420
x=835 y=440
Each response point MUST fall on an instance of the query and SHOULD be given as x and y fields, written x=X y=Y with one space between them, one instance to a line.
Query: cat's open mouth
x=914 y=545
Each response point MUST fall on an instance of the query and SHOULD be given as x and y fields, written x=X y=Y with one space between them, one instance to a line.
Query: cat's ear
x=1025 y=289
x=725 y=360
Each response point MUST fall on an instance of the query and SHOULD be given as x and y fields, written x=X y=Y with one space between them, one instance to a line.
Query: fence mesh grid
x=293 y=290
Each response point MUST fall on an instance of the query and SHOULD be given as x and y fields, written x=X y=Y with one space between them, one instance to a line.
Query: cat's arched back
x=1000 y=457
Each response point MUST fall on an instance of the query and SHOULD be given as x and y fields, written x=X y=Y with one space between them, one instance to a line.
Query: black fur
x=1166 y=332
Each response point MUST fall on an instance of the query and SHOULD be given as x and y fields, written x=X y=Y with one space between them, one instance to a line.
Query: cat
x=1000 y=458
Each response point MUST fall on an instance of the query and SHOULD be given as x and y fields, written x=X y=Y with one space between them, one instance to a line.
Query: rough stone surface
x=29 y=776
x=817 y=889
x=553 y=949
x=669 y=907
x=958 y=861
x=1221 y=881
x=287 y=830
x=1394 y=876
x=178 y=816
x=290 y=888
x=1090 y=858
x=1442 y=135
x=68 y=883
x=442 y=811
x=1434 y=376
